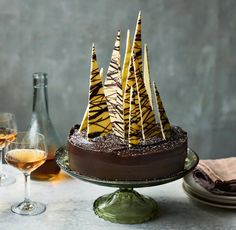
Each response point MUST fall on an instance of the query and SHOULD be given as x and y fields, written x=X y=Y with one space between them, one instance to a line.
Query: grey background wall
x=193 y=58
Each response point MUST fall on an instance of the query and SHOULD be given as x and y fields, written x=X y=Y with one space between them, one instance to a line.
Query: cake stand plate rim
x=191 y=161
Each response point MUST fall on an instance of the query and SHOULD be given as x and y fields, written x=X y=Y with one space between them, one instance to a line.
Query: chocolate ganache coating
x=110 y=158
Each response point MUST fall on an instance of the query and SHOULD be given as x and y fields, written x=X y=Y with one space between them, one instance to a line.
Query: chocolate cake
x=120 y=137
x=110 y=159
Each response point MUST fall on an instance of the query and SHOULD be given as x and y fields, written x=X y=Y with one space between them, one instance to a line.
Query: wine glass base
x=125 y=206
x=28 y=208
x=7 y=180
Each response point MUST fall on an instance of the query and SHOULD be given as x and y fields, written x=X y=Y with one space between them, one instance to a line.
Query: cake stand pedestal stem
x=125 y=206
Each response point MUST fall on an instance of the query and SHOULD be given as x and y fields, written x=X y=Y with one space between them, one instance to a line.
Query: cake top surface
x=122 y=107
x=111 y=143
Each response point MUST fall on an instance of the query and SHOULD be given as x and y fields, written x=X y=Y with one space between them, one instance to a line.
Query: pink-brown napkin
x=217 y=176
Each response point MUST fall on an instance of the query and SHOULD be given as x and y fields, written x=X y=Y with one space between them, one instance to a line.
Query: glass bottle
x=41 y=122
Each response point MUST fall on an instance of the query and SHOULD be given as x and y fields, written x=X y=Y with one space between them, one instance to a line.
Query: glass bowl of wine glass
x=26 y=153
x=8 y=133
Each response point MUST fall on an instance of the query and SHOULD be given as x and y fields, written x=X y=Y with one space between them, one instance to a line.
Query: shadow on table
x=61 y=178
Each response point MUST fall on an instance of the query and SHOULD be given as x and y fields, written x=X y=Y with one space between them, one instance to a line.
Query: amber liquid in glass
x=26 y=160
x=6 y=136
x=49 y=170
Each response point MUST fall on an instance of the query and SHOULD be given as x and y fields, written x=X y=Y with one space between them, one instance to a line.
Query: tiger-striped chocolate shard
x=137 y=43
x=84 y=123
x=148 y=121
x=130 y=83
x=126 y=63
x=136 y=53
x=113 y=91
x=99 y=122
x=164 y=121
x=134 y=128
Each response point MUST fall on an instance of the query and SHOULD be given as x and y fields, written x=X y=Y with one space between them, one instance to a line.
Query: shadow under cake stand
x=126 y=205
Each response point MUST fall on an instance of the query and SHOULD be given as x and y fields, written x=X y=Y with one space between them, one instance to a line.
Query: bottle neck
x=40 y=95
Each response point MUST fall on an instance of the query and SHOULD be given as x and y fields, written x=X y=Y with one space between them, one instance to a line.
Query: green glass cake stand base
x=126 y=206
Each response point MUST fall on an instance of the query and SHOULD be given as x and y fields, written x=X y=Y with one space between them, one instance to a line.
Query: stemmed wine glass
x=7 y=135
x=26 y=153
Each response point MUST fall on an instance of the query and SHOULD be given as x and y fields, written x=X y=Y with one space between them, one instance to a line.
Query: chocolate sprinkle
x=111 y=143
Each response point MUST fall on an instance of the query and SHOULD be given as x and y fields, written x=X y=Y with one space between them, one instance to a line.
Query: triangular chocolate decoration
x=84 y=123
x=164 y=121
x=137 y=43
x=146 y=74
x=148 y=121
x=99 y=122
x=130 y=83
x=113 y=91
x=126 y=62
x=134 y=128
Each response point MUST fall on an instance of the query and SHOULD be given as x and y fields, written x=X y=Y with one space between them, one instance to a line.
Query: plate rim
x=210 y=199
x=189 y=180
x=205 y=201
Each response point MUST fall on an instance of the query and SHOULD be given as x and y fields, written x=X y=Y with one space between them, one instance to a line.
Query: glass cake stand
x=125 y=205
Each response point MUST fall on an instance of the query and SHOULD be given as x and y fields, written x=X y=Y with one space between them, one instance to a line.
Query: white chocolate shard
x=126 y=62
x=164 y=121
x=146 y=74
x=113 y=91
x=101 y=73
x=99 y=122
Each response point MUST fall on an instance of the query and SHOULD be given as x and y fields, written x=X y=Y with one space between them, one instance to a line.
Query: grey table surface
x=69 y=206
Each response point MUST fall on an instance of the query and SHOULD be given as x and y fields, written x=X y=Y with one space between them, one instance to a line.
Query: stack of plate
x=198 y=193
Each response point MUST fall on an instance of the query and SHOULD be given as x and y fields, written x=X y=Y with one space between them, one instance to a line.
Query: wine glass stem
x=27 y=187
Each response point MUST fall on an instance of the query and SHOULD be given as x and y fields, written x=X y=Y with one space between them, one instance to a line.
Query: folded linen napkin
x=217 y=176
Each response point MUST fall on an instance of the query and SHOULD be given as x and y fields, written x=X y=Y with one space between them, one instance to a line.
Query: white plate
x=194 y=197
